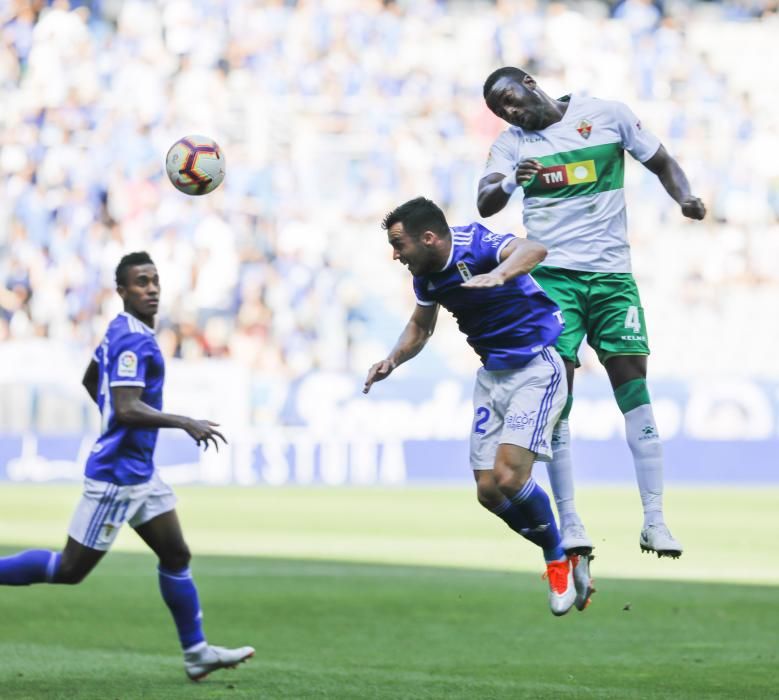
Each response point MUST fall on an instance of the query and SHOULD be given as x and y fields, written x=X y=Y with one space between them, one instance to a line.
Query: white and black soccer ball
x=195 y=165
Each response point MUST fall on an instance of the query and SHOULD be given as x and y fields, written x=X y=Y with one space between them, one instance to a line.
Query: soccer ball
x=195 y=165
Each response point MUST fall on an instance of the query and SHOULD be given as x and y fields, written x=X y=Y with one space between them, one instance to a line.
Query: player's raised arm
x=518 y=257
x=496 y=188
x=675 y=182
x=90 y=379
x=413 y=338
x=131 y=410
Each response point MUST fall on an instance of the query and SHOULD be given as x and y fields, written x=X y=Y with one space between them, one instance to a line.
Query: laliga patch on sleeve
x=128 y=364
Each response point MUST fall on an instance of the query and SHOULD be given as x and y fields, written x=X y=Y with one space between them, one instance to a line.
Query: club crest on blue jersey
x=462 y=268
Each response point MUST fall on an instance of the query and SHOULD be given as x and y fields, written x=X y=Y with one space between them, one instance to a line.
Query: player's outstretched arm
x=91 y=377
x=413 y=338
x=496 y=188
x=518 y=257
x=130 y=410
x=675 y=182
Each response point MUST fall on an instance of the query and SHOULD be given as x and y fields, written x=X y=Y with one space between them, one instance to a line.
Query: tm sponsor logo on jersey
x=556 y=176
x=520 y=420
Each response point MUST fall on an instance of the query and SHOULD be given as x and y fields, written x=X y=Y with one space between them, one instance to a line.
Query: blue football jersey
x=507 y=326
x=128 y=356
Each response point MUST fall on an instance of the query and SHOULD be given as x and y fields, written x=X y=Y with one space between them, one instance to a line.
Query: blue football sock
x=180 y=595
x=533 y=503
x=511 y=514
x=32 y=566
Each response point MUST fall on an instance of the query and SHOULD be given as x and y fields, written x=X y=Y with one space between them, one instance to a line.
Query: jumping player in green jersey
x=567 y=157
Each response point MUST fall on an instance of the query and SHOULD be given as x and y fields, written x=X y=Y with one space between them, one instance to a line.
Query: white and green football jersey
x=575 y=206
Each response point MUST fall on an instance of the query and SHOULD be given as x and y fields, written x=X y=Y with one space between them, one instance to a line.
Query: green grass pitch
x=402 y=593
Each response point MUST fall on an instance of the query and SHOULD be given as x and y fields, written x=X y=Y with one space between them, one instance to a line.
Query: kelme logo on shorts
x=556 y=176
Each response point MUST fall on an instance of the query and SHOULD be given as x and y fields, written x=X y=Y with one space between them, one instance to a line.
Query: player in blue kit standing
x=482 y=278
x=125 y=379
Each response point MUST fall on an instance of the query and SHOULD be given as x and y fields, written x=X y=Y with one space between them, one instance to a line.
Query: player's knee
x=509 y=479
x=489 y=496
x=177 y=559
x=647 y=448
x=69 y=575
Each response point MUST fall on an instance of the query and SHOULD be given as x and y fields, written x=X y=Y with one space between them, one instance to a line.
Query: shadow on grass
x=349 y=630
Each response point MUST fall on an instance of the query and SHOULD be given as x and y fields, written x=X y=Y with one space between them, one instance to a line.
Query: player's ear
x=121 y=291
x=428 y=238
x=529 y=82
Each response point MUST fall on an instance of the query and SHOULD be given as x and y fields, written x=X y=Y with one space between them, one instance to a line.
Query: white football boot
x=574 y=538
x=198 y=664
x=582 y=581
x=658 y=539
x=562 y=591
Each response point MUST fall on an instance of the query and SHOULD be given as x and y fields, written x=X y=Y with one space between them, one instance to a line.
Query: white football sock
x=560 y=471
x=644 y=441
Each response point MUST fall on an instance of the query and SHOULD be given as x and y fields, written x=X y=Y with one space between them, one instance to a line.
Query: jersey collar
x=134 y=319
x=451 y=251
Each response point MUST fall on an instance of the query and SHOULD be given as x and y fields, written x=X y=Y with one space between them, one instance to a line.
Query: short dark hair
x=417 y=216
x=504 y=72
x=128 y=261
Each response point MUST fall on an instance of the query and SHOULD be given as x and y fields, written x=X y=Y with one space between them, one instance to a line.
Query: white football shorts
x=519 y=407
x=105 y=507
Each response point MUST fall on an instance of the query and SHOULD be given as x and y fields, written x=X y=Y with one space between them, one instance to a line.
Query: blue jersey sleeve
x=129 y=361
x=488 y=245
x=421 y=293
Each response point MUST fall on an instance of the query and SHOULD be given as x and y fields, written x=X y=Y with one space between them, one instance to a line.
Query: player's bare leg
x=627 y=374
x=164 y=536
x=76 y=562
x=70 y=566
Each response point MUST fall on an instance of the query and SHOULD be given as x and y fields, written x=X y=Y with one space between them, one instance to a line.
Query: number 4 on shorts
x=632 y=319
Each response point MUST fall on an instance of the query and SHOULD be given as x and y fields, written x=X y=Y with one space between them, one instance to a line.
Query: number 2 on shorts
x=483 y=414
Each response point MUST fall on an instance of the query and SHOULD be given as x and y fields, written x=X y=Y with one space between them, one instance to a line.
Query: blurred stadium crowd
x=330 y=113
